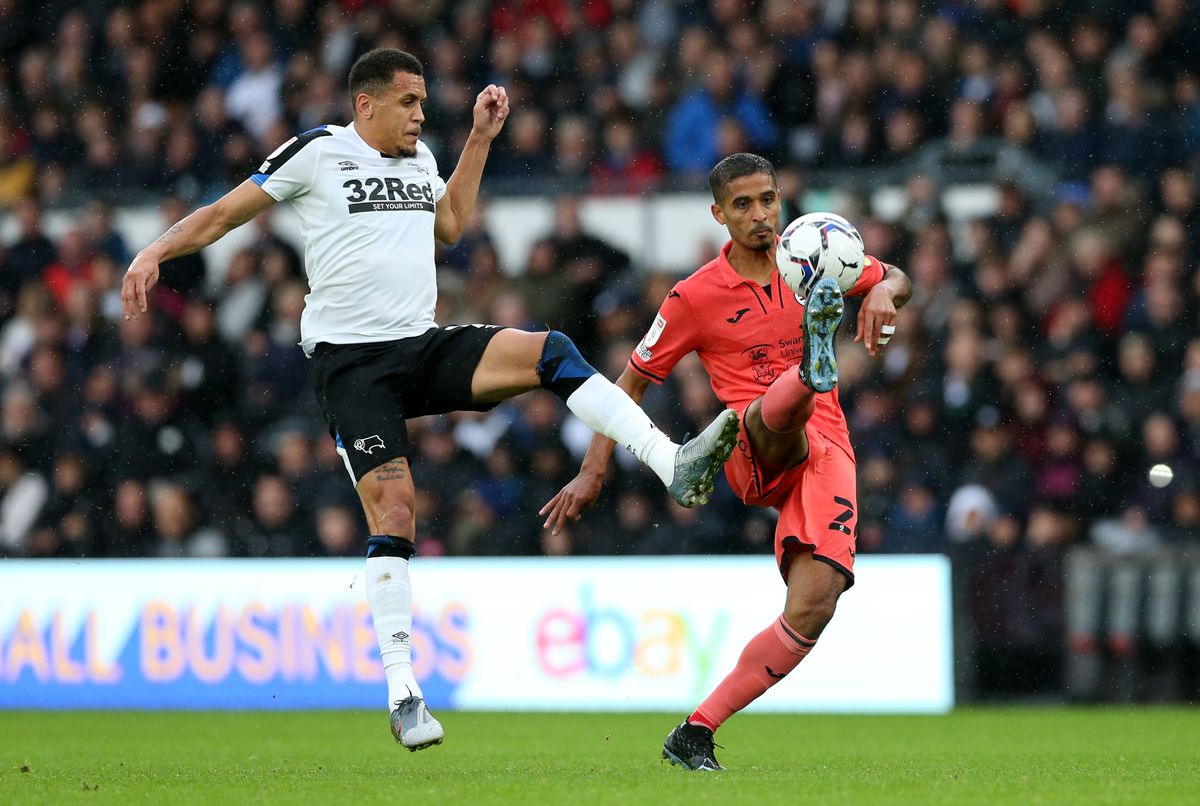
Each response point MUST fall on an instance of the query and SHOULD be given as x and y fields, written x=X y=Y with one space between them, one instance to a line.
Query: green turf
x=1047 y=756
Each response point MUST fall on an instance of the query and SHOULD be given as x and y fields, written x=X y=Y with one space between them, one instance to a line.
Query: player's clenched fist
x=139 y=279
x=491 y=109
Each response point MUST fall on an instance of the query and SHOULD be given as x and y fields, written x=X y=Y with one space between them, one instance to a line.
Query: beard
x=404 y=152
x=763 y=246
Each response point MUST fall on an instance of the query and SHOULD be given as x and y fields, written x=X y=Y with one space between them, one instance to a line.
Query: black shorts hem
x=846 y=572
x=793 y=545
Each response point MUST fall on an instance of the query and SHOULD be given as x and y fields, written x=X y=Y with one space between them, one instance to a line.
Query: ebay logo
x=610 y=641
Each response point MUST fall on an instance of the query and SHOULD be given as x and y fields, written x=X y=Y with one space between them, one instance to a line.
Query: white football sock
x=607 y=410
x=390 y=595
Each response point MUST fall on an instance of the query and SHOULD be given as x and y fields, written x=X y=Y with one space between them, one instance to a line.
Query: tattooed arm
x=206 y=225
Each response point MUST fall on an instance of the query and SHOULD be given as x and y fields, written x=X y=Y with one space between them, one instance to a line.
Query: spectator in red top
x=625 y=165
x=74 y=265
x=509 y=17
x=1109 y=289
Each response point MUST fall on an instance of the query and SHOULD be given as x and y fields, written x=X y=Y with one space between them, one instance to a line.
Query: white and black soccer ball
x=818 y=245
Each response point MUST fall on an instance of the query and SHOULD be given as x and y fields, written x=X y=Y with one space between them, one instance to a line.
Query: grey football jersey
x=368 y=234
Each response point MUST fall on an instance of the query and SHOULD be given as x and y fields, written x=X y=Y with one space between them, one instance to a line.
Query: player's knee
x=810 y=614
x=397 y=518
x=395 y=530
x=392 y=509
x=562 y=369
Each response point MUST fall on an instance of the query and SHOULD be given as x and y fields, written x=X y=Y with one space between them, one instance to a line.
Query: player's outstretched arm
x=455 y=207
x=879 y=308
x=582 y=491
x=204 y=226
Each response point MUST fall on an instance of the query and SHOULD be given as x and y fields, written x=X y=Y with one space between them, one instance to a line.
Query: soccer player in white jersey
x=371 y=203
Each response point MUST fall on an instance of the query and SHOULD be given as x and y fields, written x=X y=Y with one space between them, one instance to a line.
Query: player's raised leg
x=776 y=421
x=516 y=361
x=388 y=499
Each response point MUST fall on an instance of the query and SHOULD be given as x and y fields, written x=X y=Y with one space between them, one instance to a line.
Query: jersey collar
x=367 y=145
x=350 y=127
x=729 y=276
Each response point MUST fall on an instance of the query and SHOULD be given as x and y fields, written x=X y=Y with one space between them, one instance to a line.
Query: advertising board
x=607 y=634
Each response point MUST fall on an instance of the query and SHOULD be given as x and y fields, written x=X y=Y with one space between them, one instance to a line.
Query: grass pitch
x=1047 y=756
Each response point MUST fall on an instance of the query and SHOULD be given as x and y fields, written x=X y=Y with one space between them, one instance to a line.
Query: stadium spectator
x=69 y=526
x=230 y=471
x=23 y=493
x=692 y=142
x=527 y=152
x=274 y=527
x=175 y=530
x=17 y=166
x=253 y=97
x=1184 y=523
x=337 y=531
x=913 y=521
x=129 y=530
x=1015 y=604
x=624 y=165
x=991 y=463
x=73 y=266
x=29 y=255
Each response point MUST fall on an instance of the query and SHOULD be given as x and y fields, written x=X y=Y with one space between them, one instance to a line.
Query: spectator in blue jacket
x=691 y=143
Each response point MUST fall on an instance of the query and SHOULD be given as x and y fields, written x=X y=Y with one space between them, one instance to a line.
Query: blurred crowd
x=121 y=98
x=1049 y=357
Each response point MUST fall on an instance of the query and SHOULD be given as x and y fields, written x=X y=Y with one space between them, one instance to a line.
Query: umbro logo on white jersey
x=347 y=165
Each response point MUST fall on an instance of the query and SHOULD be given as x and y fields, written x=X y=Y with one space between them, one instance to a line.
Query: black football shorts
x=366 y=391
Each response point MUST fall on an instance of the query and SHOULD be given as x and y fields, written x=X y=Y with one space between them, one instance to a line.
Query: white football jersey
x=368 y=234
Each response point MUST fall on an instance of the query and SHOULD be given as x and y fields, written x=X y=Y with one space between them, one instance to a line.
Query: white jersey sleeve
x=291 y=169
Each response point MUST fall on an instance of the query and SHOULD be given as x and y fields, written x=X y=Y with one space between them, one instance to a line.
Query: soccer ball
x=818 y=245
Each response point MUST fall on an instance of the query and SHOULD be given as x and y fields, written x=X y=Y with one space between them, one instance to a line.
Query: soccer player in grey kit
x=371 y=203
